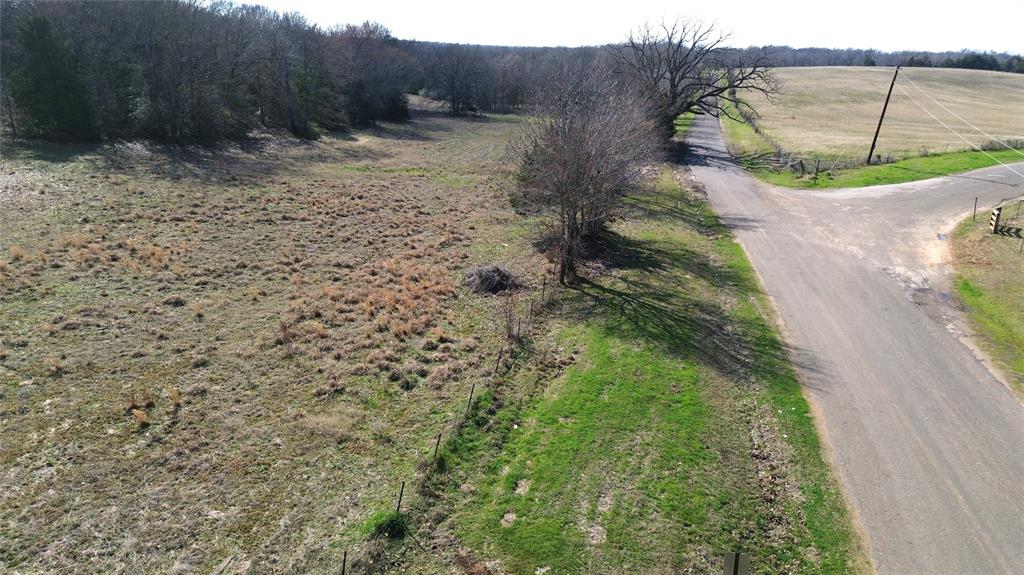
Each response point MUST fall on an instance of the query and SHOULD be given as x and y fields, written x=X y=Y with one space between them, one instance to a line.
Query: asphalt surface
x=928 y=443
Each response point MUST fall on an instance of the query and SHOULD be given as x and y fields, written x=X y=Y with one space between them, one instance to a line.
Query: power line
x=957 y=134
x=989 y=136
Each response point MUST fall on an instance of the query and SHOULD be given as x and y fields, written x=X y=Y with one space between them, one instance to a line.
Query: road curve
x=928 y=444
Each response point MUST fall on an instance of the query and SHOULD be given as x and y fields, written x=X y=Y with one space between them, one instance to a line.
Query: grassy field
x=990 y=285
x=678 y=431
x=804 y=120
x=229 y=360
x=750 y=148
x=232 y=358
x=833 y=111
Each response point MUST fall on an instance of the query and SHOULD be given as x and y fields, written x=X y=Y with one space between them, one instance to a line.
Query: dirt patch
x=508 y=519
x=523 y=486
x=596 y=534
x=780 y=495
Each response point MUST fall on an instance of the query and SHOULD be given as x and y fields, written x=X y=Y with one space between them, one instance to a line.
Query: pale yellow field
x=834 y=110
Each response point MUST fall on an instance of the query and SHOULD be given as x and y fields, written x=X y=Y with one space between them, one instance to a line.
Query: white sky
x=888 y=25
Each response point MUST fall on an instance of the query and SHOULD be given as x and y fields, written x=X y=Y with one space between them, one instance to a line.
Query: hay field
x=834 y=110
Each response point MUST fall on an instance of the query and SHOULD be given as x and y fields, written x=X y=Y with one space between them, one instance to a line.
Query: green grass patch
x=682 y=123
x=908 y=170
x=376 y=169
x=390 y=524
x=992 y=290
x=741 y=138
x=643 y=453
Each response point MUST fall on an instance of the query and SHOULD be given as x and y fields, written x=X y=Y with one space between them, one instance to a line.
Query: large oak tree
x=685 y=66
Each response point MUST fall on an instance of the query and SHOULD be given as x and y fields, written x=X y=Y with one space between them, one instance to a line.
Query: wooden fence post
x=469 y=404
x=497 y=363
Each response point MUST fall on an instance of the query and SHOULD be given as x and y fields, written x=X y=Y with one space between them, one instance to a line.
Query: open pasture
x=231 y=358
x=833 y=111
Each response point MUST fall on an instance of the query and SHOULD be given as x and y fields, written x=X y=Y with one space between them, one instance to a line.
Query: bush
x=583 y=149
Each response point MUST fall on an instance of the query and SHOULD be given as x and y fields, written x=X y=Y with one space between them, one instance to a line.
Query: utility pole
x=871 y=152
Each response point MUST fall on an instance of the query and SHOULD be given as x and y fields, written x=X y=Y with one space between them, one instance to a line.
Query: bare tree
x=453 y=76
x=581 y=150
x=685 y=66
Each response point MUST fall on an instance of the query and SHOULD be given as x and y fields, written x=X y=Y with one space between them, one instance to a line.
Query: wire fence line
x=958 y=134
x=991 y=138
x=781 y=159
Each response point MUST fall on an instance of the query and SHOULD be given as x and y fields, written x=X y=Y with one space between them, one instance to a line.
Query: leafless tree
x=581 y=150
x=453 y=76
x=685 y=66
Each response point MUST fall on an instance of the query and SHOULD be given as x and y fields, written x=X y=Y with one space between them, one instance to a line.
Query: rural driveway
x=928 y=444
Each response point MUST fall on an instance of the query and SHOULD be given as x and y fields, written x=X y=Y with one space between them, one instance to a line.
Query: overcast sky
x=996 y=25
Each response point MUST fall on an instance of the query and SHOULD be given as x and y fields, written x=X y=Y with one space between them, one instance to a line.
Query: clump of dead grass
x=54 y=366
x=338 y=426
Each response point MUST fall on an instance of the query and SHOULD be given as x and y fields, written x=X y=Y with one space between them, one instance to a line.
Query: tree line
x=604 y=117
x=191 y=71
x=188 y=71
x=995 y=61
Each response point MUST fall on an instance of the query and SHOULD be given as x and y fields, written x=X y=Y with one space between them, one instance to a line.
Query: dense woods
x=186 y=71
x=193 y=72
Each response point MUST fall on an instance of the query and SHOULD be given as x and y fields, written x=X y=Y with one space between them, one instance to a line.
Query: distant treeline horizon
x=186 y=71
x=786 y=56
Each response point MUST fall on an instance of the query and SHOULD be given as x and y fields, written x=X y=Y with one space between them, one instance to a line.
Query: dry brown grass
x=17 y=253
x=141 y=417
x=287 y=410
x=54 y=366
x=338 y=426
x=75 y=239
x=834 y=110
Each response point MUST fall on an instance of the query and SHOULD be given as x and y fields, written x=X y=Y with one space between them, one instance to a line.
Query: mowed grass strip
x=679 y=433
x=990 y=285
x=909 y=170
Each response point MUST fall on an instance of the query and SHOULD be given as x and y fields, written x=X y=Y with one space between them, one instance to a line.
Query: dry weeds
x=288 y=300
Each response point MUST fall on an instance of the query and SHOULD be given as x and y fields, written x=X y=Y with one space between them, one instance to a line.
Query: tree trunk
x=10 y=114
